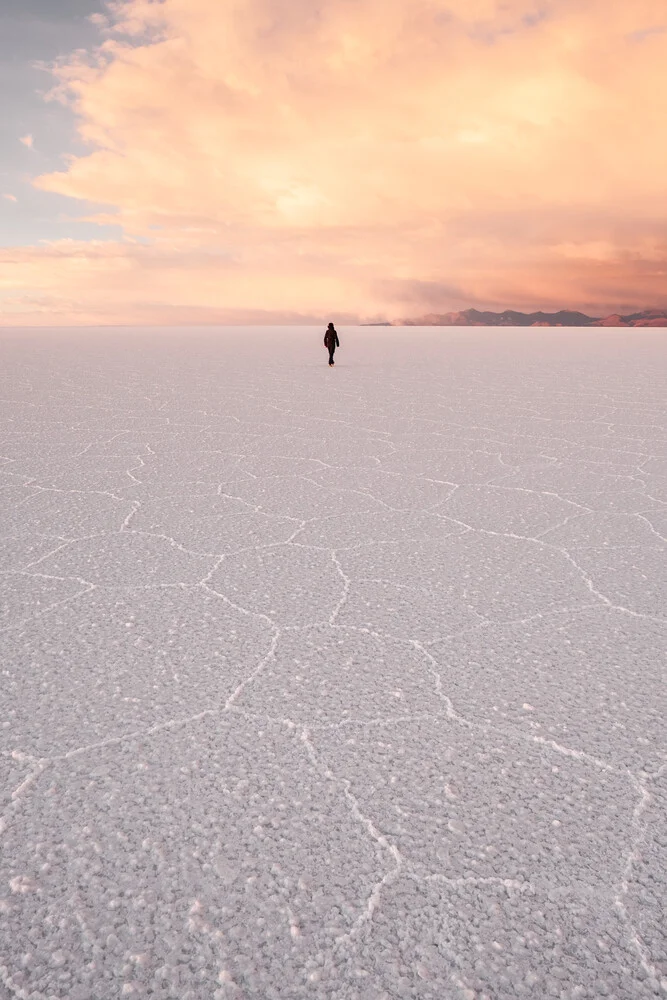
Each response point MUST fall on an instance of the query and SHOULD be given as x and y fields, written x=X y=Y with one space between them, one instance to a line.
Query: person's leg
x=331 y=355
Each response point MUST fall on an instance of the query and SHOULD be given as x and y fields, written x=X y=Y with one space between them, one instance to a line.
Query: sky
x=286 y=161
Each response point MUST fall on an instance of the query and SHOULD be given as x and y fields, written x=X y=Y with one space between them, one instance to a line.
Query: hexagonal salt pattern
x=195 y=858
x=333 y=683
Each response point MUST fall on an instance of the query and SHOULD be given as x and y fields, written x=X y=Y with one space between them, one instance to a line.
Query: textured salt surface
x=333 y=683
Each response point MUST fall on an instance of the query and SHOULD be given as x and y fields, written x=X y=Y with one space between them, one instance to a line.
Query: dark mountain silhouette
x=512 y=317
x=648 y=317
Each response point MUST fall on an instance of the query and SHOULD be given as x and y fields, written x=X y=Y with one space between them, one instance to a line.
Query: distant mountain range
x=565 y=317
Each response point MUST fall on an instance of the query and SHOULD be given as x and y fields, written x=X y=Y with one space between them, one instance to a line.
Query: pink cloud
x=296 y=158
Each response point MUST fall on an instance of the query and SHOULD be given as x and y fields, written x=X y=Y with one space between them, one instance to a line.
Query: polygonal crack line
x=204 y=582
x=382 y=635
x=317 y=727
x=427 y=509
x=240 y=688
x=382 y=843
x=101 y=443
x=49 y=536
x=163 y=537
x=524 y=620
x=641 y=828
x=562 y=524
x=178 y=495
x=56 y=489
x=492 y=485
x=50 y=607
x=554 y=439
x=26 y=481
x=570 y=558
x=357 y=546
x=597 y=593
x=18 y=794
x=432 y=667
x=35 y=562
x=135 y=468
x=369 y=496
x=347 y=583
x=642 y=517
x=623 y=548
x=619 y=472
x=136 y=507
x=483 y=620
x=254 y=507
x=360 y=545
x=473 y=880
x=361 y=493
x=64 y=545
x=26 y=499
x=135 y=531
x=313 y=421
x=41 y=764
x=649 y=496
x=239 y=607
x=264 y=547
x=292 y=537
x=37 y=764
x=487 y=727
x=47 y=576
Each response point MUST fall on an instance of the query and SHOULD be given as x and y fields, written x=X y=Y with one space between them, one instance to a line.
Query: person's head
x=331 y=326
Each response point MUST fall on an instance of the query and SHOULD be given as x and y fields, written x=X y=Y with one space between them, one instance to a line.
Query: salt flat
x=336 y=683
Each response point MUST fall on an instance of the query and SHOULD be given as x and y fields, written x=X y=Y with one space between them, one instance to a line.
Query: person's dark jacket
x=331 y=339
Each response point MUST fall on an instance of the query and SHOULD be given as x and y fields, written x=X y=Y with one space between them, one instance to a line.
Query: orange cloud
x=385 y=157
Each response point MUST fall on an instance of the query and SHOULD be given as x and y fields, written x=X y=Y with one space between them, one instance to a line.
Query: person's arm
x=337 y=341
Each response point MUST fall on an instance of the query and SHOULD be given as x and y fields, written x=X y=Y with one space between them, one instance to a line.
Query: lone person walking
x=331 y=342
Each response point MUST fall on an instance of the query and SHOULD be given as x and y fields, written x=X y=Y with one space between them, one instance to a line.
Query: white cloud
x=366 y=154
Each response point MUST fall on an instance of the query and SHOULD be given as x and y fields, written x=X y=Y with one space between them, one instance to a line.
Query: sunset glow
x=284 y=160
